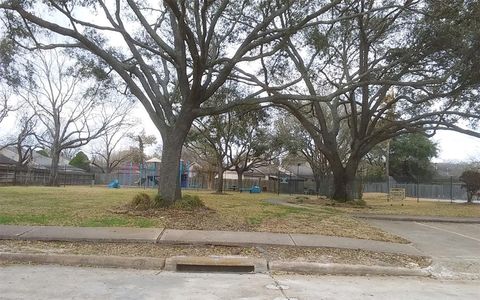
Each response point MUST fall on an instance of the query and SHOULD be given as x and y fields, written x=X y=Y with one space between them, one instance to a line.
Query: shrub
x=189 y=202
x=141 y=201
x=158 y=202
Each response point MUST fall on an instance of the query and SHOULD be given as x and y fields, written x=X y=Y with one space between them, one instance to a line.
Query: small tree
x=22 y=141
x=67 y=105
x=81 y=161
x=301 y=147
x=142 y=139
x=106 y=154
x=471 y=180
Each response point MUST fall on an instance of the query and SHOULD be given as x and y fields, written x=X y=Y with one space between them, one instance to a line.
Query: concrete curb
x=171 y=264
x=419 y=219
x=342 y=269
x=145 y=263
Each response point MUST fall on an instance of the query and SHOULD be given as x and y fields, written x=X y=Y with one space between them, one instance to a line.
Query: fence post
x=451 y=189
x=290 y=184
x=418 y=194
x=278 y=182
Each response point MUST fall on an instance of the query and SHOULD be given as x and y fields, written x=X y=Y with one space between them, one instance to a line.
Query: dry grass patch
x=321 y=255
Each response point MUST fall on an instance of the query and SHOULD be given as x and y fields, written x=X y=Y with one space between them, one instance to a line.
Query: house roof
x=6 y=161
x=154 y=160
x=38 y=161
x=302 y=170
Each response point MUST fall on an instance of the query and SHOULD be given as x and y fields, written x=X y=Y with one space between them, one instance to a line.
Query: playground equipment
x=252 y=190
x=147 y=175
x=184 y=173
x=255 y=189
x=114 y=184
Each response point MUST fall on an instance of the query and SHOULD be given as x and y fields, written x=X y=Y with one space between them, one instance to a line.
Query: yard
x=99 y=206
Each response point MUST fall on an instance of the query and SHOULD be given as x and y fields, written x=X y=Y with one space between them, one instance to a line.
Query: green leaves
x=410 y=158
x=317 y=39
x=81 y=161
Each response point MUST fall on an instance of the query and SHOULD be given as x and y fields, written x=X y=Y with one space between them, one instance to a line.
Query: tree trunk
x=219 y=188
x=53 y=179
x=169 y=181
x=343 y=181
x=469 y=197
x=240 y=179
x=211 y=180
x=318 y=180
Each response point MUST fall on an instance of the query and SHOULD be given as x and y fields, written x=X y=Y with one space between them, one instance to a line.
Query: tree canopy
x=171 y=55
x=381 y=71
x=81 y=160
x=410 y=158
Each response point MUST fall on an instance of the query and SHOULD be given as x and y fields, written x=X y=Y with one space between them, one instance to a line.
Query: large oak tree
x=386 y=69
x=171 y=55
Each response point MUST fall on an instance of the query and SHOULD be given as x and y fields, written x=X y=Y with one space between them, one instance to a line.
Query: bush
x=189 y=202
x=141 y=201
x=159 y=202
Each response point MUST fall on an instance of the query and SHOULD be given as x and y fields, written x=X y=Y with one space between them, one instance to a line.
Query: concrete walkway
x=196 y=237
x=464 y=220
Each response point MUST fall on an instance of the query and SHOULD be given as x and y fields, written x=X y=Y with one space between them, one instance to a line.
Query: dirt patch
x=321 y=255
x=324 y=201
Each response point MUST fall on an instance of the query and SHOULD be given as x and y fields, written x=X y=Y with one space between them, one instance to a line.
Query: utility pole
x=451 y=189
x=278 y=181
x=298 y=178
x=387 y=169
x=290 y=183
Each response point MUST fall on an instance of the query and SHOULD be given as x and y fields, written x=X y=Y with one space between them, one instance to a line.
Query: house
x=6 y=162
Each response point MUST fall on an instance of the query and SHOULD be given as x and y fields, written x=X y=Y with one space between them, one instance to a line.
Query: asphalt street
x=56 y=282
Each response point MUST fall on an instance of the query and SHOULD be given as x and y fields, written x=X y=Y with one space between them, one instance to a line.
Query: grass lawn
x=377 y=204
x=86 y=206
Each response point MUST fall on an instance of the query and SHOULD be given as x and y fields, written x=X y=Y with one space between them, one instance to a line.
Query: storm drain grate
x=215 y=268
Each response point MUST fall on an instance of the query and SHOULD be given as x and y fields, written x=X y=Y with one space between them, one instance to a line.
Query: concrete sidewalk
x=196 y=237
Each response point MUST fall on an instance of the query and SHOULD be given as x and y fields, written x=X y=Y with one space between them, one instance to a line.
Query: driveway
x=454 y=248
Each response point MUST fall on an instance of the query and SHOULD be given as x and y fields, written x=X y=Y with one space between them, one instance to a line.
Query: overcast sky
x=457 y=147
